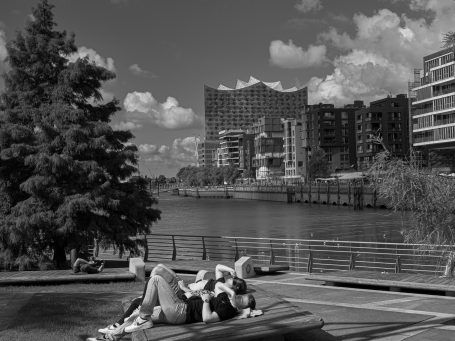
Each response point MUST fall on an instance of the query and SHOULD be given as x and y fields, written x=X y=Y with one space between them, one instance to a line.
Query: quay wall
x=359 y=196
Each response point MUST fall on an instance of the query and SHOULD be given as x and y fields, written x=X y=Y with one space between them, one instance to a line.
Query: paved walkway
x=63 y=276
x=349 y=314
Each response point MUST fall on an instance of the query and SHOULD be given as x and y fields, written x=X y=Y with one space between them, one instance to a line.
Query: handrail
x=299 y=254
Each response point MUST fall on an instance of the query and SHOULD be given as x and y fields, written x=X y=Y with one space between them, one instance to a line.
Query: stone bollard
x=137 y=267
x=244 y=267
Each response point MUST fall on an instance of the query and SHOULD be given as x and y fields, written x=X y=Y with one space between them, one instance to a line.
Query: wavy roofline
x=277 y=86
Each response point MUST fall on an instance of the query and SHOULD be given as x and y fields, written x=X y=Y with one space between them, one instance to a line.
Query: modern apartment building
x=229 y=149
x=433 y=111
x=295 y=155
x=238 y=108
x=246 y=153
x=268 y=148
x=333 y=130
x=206 y=152
x=387 y=118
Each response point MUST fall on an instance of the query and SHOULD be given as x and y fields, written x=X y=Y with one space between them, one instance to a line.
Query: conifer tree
x=65 y=176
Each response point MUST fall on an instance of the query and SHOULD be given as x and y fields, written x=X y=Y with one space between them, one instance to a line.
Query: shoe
x=139 y=324
x=108 y=328
x=133 y=315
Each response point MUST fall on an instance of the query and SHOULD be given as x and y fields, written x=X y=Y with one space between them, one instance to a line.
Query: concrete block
x=244 y=268
x=137 y=267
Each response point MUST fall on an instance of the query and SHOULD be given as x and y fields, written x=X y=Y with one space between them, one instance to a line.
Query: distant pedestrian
x=92 y=266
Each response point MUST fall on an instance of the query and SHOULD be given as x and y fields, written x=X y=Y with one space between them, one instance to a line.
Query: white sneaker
x=133 y=315
x=108 y=329
x=139 y=324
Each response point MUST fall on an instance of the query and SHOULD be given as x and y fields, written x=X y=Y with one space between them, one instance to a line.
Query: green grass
x=76 y=287
x=64 y=312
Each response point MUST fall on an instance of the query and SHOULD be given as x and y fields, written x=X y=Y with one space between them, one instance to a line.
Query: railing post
x=174 y=250
x=272 y=255
x=146 y=248
x=398 y=265
x=204 y=251
x=352 y=262
x=310 y=262
x=236 y=257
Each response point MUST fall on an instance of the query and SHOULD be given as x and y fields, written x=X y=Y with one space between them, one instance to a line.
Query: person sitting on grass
x=181 y=290
x=92 y=266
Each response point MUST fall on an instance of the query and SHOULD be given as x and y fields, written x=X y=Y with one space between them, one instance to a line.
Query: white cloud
x=167 y=115
x=3 y=55
x=291 y=56
x=126 y=125
x=93 y=56
x=3 y=52
x=138 y=71
x=182 y=152
x=379 y=58
x=308 y=5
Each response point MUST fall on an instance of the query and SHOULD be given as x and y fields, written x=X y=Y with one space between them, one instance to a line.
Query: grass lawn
x=64 y=312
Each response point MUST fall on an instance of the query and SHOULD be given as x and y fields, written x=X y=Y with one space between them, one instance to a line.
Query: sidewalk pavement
x=349 y=314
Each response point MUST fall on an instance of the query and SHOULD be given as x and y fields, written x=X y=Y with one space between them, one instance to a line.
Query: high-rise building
x=387 y=119
x=433 y=111
x=246 y=153
x=229 y=150
x=268 y=148
x=238 y=108
x=206 y=152
x=333 y=130
x=294 y=152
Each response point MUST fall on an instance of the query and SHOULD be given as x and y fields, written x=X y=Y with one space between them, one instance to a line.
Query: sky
x=164 y=52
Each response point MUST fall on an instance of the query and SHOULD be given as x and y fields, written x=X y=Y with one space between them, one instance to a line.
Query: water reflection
x=250 y=218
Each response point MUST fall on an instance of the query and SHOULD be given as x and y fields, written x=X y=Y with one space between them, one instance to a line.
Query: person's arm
x=224 y=288
x=220 y=269
x=208 y=316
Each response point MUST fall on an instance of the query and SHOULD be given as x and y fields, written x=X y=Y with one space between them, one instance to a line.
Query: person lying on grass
x=181 y=290
x=92 y=266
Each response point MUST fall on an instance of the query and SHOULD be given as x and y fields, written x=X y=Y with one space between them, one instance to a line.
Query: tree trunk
x=59 y=255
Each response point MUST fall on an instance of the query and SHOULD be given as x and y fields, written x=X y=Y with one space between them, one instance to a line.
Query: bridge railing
x=301 y=255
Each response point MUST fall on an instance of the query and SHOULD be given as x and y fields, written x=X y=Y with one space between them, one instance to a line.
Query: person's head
x=239 y=286
x=245 y=301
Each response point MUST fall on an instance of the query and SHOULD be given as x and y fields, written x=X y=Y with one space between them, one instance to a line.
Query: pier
x=358 y=196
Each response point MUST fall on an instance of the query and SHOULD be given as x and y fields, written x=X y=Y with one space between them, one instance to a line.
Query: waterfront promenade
x=348 y=313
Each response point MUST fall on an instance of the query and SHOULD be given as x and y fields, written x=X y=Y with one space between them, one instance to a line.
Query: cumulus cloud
x=167 y=115
x=379 y=58
x=308 y=5
x=138 y=71
x=291 y=56
x=3 y=52
x=3 y=55
x=93 y=56
x=181 y=153
x=126 y=125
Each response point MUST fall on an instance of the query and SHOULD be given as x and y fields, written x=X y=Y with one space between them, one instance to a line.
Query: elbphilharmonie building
x=238 y=108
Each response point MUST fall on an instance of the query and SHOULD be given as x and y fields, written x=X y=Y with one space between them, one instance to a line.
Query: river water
x=250 y=218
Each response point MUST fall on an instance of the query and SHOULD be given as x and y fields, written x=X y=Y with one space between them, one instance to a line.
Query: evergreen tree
x=65 y=176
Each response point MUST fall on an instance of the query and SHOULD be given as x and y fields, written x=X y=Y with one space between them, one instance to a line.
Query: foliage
x=208 y=176
x=24 y=262
x=448 y=39
x=161 y=179
x=428 y=197
x=65 y=176
x=318 y=166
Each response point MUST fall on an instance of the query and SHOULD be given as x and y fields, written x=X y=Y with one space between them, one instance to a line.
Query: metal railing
x=301 y=255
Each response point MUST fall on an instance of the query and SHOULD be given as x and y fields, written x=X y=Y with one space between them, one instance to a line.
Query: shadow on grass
x=58 y=316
